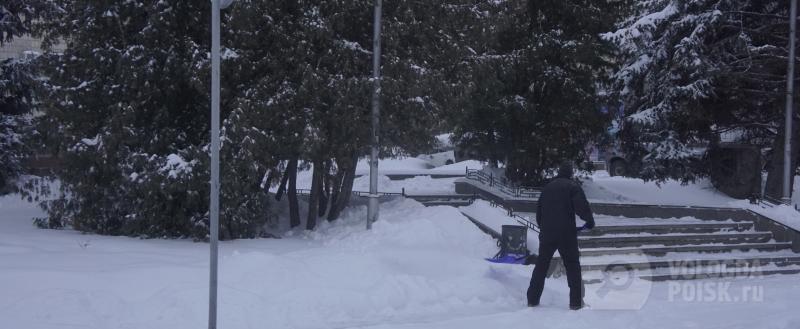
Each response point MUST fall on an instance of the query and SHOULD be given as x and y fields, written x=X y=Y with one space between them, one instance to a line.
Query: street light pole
x=787 y=147
x=372 y=210
x=216 y=7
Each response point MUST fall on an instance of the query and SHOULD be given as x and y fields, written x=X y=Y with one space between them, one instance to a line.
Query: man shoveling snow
x=560 y=200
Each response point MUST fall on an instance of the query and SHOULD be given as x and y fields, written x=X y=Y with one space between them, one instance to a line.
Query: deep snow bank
x=416 y=264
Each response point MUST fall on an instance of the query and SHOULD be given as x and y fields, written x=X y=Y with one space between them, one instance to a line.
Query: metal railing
x=428 y=200
x=770 y=202
x=303 y=191
x=487 y=178
x=519 y=219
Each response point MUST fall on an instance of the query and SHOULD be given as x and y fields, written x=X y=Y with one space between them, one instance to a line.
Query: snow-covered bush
x=128 y=105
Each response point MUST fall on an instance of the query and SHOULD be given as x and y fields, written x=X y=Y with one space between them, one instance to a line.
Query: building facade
x=21 y=46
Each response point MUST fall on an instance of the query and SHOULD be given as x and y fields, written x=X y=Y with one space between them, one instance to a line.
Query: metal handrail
x=488 y=179
x=773 y=201
x=519 y=219
x=303 y=191
x=366 y=193
x=524 y=221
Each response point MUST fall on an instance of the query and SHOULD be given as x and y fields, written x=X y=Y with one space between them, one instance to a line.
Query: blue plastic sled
x=506 y=257
x=512 y=259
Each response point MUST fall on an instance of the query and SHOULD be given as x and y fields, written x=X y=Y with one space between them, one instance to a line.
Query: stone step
x=453 y=200
x=601 y=230
x=639 y=240
x=712 y=248
x=717 y=274
x=723 y=261
x=452 y=203
x=597 y=277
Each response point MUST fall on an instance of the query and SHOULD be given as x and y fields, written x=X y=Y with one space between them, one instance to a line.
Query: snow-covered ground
x=604 y=188
x=419 y=185
x=413 y=186
x=418 y=268
x=406 y=165
x=423 y=184
x=417 y=264
x=786 y=215
x=421 y=165
x=783 y=214
x=417 y=166
x=439 y=159
x=495 y=218
x=600 y=187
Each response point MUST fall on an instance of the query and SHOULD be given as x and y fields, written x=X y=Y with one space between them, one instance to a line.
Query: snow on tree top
x=177 y=165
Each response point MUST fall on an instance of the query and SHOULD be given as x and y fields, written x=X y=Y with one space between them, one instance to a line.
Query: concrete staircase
x=680 y=249
x=657 y=242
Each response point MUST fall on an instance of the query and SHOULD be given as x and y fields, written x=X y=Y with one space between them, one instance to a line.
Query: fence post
x=491 y=179
x=403 y=191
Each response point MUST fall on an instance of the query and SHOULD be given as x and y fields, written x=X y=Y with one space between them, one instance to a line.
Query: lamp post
x=216 y=6
x=787 y=147
x=372 y=209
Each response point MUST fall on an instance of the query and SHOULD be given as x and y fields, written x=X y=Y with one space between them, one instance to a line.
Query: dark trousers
x=568 y=248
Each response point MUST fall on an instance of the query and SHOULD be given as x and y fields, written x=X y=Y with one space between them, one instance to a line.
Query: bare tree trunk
x=336 y=190
x=325 y=192
x=774 y=186
x=294 y=210
x=329 y=187
x=346 y=189
x=313 y=199
x=284 y=180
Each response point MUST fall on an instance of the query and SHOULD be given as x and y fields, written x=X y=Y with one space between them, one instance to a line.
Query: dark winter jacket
x=560 y=200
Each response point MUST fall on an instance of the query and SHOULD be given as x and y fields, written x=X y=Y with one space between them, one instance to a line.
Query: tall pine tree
x=534 y=96
x=128 y=102
x=696 y=73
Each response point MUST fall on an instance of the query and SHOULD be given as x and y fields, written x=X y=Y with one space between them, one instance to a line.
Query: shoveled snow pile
x=416 y=264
